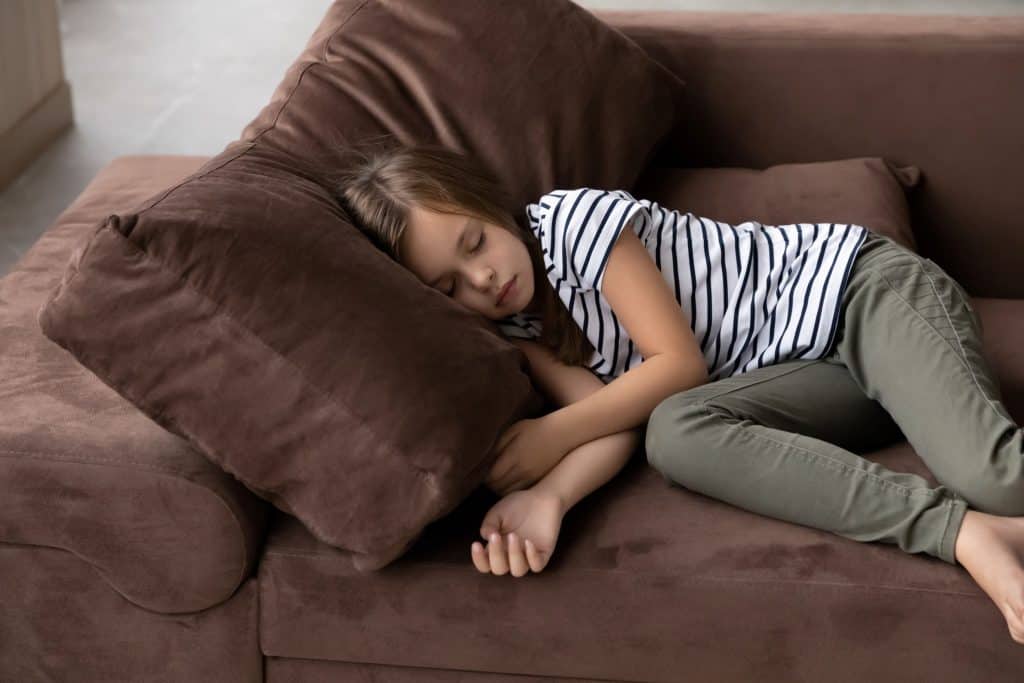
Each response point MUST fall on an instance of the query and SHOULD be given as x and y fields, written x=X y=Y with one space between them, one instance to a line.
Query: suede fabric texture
x=65 y=621
x=764 y=89
x=210 y=540
x=865 y=190
x=708 y=592
x=242 y=310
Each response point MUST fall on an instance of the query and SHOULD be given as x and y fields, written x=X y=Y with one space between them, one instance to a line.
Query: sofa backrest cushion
x=937 y=91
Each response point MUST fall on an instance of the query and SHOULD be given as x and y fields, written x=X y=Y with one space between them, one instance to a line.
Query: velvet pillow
x=868 y=191
x=241 y=310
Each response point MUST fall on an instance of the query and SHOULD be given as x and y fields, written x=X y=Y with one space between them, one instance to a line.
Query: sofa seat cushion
x=649 y=580
x=84 y=470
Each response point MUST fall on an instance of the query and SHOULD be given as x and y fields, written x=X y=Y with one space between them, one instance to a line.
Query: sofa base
x=62 y=622
x=321 y=671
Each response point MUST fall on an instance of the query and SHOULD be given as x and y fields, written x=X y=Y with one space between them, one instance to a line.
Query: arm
x=562 y=384
x=673 y=359
x=588 y=466
x=627 y=401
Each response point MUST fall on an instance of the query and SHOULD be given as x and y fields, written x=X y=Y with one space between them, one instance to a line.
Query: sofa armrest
x=83 y=470
x=160 y=523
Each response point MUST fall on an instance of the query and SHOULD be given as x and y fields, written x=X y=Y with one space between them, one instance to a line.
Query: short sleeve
x=585 y=223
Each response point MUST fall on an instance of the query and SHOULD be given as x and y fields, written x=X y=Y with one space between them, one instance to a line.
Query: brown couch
x=127 y=556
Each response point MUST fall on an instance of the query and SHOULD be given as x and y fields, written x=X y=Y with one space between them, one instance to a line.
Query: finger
x=502 y=483
x=507 y=438
x=480 y=558
x=496 y=548
x=533 y=556
x=504 y=439
x=508 y=479
x=497 y=470
x=516 y=559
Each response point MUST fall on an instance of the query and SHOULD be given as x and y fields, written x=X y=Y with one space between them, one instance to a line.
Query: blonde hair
x=381 y=184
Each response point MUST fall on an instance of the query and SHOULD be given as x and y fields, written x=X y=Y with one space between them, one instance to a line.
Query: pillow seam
x=153 y=202
x=323 y=52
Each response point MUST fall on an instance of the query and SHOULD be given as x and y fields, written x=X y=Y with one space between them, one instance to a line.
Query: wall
x=35 y=105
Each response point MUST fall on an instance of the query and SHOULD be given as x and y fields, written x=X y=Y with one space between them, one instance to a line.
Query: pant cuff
x=957 y=511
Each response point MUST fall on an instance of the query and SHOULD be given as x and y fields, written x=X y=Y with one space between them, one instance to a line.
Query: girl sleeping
x=756 y=355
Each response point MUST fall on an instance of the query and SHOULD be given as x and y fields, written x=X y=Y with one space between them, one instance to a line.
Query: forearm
x=588 y=466
x=626 y=402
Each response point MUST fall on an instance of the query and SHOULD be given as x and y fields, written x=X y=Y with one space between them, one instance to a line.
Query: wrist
x=547 y=488
x=587 y=467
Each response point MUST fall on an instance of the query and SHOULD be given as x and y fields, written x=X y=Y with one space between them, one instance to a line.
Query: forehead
x=428 y=243
x=423 y=219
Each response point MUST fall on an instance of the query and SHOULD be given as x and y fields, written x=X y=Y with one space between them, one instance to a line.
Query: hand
x=531 y=520
x=528 y=450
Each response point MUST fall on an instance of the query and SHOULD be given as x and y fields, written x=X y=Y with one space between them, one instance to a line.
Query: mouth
x=505 y=290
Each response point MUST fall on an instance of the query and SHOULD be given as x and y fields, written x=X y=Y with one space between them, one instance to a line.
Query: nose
x=484 y=279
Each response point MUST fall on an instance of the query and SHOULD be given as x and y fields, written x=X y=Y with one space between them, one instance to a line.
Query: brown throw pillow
x=242 y=311
x=868 y=191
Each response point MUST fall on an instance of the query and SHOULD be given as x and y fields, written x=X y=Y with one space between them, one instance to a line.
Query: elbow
x=696 y=380
x=692 y=371
x=684 y=377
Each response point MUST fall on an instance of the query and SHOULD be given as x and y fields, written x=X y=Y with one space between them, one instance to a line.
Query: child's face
x=488 y=258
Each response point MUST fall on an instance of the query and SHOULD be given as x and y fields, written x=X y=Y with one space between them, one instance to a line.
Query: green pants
x=906 y=360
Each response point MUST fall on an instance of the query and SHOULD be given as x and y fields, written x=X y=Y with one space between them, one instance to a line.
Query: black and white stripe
x=755 y=294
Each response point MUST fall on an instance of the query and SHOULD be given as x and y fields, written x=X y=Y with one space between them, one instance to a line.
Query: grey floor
x=185 y=76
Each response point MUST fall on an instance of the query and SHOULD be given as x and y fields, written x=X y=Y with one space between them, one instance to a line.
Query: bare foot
x=991 y=549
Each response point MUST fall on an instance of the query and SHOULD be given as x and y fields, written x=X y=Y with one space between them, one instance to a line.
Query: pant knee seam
x=745 y=385
x=847 y=469
x=959 y=340
x=956 y=333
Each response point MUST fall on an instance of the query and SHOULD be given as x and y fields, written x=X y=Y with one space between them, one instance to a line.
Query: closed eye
x=479 y=244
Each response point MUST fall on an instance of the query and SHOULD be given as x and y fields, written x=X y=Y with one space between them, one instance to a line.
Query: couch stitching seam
x=178 y=474
x=313 y=555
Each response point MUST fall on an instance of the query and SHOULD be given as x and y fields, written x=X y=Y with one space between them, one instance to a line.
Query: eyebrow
x=458 y=246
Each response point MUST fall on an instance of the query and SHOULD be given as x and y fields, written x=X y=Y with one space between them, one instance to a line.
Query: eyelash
x=471 y=251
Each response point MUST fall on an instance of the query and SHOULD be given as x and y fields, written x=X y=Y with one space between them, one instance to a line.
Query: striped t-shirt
x=754 y=294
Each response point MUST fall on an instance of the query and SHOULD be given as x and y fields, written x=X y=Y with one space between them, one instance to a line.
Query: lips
x=505 y=290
